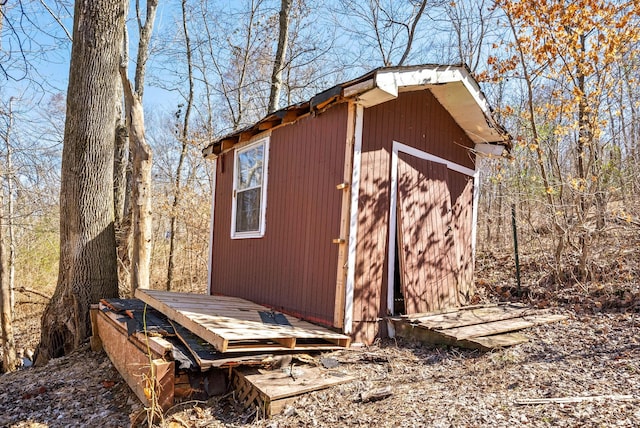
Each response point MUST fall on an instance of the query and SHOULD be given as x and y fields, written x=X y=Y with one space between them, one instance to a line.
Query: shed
x=357 y=204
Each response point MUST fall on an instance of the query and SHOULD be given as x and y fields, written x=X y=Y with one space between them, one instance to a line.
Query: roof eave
x=452 y=85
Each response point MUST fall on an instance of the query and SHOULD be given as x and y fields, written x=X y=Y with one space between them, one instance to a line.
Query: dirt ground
x=588 y=355
x=593 y=357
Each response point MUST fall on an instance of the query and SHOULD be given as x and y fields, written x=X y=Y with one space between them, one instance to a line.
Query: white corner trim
x=393 y=200
x=213 y=212
x=393 y=223
x=353 y=222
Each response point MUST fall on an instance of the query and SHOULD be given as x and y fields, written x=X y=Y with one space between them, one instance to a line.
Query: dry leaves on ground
x=586 y=355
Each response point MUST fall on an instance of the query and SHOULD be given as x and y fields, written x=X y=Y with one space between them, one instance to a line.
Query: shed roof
x=452 y=85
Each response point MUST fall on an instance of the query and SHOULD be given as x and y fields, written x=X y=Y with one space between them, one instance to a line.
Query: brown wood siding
x=427 y=250
x=293 y=267
x=416 y=119
x=461 y=188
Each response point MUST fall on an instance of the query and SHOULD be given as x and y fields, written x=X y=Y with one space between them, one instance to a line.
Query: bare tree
x=471 y=22
x=87 y=268
x=386 y=27
x=9 y=358
x=9 y=179
x=281 y=51
x=177 y=191
x=141 y=155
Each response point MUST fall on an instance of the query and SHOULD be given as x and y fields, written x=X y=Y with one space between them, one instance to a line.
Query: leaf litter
x=595 y=353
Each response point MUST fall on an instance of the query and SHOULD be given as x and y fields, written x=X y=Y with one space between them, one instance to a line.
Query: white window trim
x=263 y=196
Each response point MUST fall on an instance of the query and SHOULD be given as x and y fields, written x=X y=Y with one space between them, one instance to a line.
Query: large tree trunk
x=87 y=269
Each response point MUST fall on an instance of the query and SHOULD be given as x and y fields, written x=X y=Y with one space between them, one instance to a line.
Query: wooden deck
x=479 y=327
x=232 y=324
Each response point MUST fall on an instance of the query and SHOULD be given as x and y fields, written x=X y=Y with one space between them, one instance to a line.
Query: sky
x=36 y=49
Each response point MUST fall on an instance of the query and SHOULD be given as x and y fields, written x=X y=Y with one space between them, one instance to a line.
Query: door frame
x=393 y=200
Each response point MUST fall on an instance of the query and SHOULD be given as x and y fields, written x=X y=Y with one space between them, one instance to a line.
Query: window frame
x=263 y=191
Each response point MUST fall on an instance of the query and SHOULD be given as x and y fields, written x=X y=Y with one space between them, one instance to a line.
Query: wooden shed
x=357 y=204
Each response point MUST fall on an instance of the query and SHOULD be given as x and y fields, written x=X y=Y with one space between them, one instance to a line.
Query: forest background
x=562 y=77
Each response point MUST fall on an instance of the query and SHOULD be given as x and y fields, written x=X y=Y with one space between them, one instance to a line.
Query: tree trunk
x=177 y=192
x=281 y=53
x=137 y=230
x=10 y=177
x=122 y=184
x=9 y=359
x=141 y=188
x=87 y=269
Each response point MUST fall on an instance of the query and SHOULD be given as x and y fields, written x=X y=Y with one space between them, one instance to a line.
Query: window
x=250 y=190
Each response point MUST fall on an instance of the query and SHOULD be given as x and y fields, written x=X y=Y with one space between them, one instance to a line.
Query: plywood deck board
x=229 y=324
x=486 y=343
x=464 y=318
x=502 y=326
x=484 y=328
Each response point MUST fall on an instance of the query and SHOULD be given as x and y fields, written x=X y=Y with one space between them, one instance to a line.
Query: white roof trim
x=453 y=87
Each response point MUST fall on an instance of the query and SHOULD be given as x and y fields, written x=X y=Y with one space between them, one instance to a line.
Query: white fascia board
x=453 y=86
x=489 y=150
x=359 y=88
x=419 y=77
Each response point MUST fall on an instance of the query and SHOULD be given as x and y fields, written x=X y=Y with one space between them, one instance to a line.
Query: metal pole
x=515 y=247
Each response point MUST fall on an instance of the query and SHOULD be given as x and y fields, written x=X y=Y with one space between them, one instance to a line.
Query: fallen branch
x=376 y=394
x=31 y=291
x=563 y=400
x=626 y=220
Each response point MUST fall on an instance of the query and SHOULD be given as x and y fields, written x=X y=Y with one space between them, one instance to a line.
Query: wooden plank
x=498 y=327
x=135 y=366
x=219 y=342
x=566 y=400
x=471 y=317
x=278 y=384
x=240 y=314
x=451 y=310
x=271 y=391
x=164 y=374
x=157 y=344
x=232 y=331
x=421 y=334
x=485 y=343
x=263 y=126
x=96 y=343
x=341 y=275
